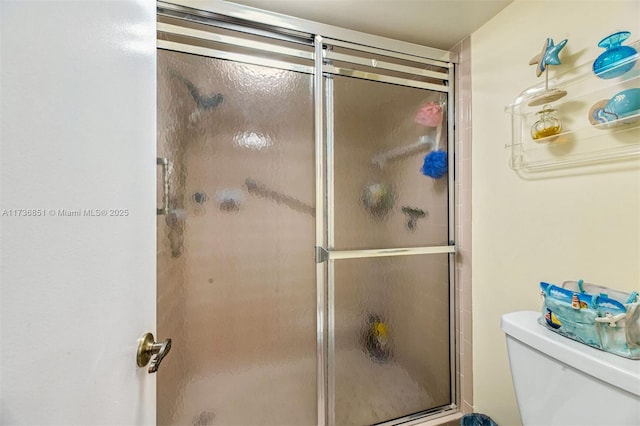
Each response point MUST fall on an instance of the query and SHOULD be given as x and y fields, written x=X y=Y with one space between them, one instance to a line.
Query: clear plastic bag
x=597 y=316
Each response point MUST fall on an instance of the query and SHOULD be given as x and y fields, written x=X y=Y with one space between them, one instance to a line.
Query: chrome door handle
x=151 y=352
x=166 y=165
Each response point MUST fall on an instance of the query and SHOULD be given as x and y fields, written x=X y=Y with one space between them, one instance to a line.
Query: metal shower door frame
x=320 y=37
x=324 y=120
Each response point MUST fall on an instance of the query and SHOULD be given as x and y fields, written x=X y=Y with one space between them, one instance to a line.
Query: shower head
x=205 y=102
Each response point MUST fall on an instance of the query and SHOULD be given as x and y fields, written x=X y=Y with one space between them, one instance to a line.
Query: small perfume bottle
x=547 y=125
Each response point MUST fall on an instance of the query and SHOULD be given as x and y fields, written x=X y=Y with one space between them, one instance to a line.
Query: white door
x=77 y=192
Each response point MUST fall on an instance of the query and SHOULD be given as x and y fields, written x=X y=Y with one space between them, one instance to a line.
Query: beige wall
x=581 y=226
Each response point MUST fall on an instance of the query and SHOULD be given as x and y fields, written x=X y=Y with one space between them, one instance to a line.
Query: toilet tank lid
x=621 y=372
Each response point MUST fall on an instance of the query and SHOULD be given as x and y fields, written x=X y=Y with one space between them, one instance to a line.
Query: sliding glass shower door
x=305 y=226
x=389 y=340
x=236 y=278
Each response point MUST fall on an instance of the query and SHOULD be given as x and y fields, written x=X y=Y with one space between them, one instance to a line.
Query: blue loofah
x=435 y=164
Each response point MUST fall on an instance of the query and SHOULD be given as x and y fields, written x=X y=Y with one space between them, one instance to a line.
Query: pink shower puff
x=429 y=114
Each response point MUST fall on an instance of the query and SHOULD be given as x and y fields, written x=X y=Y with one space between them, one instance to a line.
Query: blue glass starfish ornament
x=548 y=56
x=551 y=55
x=539 y=58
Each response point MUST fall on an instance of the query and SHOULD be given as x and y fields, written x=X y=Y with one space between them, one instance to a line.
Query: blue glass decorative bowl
x=625 y=103
x=611 y=63
x=622 y=108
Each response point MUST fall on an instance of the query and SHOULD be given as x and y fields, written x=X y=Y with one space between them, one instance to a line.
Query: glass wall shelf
x=582 y=140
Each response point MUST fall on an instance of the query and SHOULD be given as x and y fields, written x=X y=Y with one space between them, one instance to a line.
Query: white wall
x=77 y=132
x=525 y=231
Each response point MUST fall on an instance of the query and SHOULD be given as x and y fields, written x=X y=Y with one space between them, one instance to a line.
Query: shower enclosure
x=305 y=222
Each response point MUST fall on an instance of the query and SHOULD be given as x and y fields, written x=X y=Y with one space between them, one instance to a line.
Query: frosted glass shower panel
x=382 y=134
x=238 y=244
x=391 y=337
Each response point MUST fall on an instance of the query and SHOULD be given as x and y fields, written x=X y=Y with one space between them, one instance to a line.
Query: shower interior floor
x=367 y=393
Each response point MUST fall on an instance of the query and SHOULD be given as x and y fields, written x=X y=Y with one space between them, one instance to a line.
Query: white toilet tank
x=559 y=381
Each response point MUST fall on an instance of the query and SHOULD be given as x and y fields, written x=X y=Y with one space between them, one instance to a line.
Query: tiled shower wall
x=463 y=221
